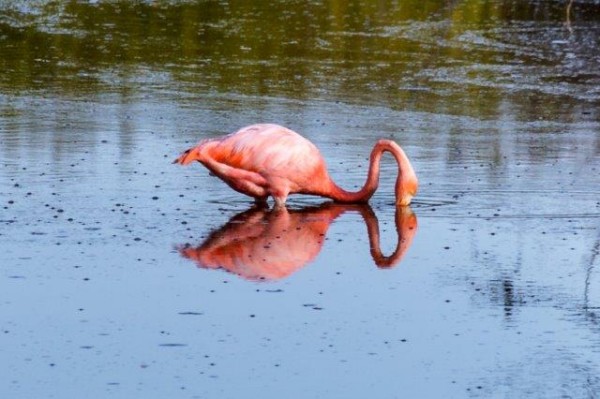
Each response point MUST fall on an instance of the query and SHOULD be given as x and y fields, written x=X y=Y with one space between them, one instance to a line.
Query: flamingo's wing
x=262 y=160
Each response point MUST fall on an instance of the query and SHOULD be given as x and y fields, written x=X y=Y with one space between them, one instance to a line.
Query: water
x=123 y=275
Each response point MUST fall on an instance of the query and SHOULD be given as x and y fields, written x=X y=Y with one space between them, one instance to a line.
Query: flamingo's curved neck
x=406 y=182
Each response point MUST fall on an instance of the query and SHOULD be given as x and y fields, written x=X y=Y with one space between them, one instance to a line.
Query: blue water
x=497 y=290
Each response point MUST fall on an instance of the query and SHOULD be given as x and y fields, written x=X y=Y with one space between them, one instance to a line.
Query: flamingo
x=265 y=160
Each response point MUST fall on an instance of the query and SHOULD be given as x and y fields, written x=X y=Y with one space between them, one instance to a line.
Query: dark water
x=487 y=287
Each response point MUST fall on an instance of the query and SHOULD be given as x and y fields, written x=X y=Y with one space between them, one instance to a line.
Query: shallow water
x=487 y=287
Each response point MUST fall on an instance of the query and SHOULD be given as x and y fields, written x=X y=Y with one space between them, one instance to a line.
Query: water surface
x=123 y=275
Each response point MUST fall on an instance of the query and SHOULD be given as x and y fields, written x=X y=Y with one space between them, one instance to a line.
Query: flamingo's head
x=193 y=154
x=406 y=189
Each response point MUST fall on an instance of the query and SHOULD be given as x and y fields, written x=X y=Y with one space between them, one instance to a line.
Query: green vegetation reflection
x=465 y=57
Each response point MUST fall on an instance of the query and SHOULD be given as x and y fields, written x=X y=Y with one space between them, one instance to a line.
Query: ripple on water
x=512 y=204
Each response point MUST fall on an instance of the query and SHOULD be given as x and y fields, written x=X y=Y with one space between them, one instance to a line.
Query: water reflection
x=270 y=244
x=501 y=59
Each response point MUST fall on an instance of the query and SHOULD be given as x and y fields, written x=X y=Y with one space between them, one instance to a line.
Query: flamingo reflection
x=270 y=244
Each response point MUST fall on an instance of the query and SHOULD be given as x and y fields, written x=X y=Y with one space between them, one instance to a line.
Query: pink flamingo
x=270 y=160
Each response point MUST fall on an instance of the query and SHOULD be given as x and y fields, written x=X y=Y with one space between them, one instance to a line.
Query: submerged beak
x=184 y=158
x=405 y=191
x=405 y=200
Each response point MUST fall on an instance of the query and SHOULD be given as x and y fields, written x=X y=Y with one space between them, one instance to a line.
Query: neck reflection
x=271 y=244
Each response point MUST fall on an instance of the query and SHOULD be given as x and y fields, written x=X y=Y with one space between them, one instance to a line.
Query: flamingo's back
x=272 y=151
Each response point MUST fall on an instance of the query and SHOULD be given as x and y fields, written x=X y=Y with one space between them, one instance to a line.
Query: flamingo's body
x=269 y=160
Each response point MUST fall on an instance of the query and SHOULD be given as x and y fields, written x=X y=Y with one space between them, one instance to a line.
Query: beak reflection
x=271 y=244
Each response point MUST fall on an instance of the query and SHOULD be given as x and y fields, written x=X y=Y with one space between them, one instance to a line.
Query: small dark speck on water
x=313 y=306
x=172 y=345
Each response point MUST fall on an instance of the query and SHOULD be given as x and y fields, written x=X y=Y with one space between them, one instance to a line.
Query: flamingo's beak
x=185 y=158
x=405 y=191
x=405 y=200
